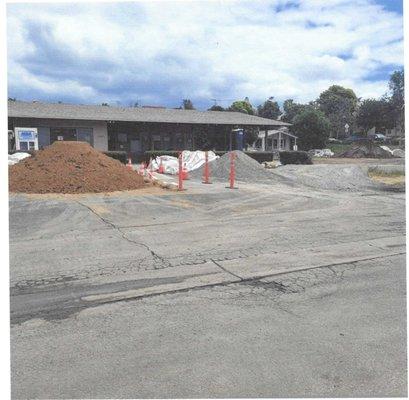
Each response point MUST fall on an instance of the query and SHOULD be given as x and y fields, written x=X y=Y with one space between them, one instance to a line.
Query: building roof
x=22 y=109
x=276 y=132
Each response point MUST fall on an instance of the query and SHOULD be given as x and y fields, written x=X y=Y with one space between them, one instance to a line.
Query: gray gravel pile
x=327 y=177
x=247 y=169
x=366 y=150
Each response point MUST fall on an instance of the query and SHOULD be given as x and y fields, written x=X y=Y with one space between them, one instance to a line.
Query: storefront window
x=63 y=134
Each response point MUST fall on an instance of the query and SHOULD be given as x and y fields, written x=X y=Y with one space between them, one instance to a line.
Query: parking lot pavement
x=172 y=294
x=78 y=251
x=335 y=331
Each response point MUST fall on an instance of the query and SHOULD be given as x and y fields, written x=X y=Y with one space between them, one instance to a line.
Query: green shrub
x=117 y=155
x=295 y=157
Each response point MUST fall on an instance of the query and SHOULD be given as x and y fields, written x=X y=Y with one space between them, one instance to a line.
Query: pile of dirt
x=71 y=167
x=366 y=150
x=247 y=169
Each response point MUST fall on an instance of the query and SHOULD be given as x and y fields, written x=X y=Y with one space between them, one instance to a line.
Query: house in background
x=275 y=140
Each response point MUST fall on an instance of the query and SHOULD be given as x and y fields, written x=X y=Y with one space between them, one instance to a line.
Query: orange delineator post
x=232 y=170
x=129 y=165
x=206 y=168
x=180 y=186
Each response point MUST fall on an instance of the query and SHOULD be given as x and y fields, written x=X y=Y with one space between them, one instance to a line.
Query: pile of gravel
x=327 y=177
x=247 y=169
x=366 y=150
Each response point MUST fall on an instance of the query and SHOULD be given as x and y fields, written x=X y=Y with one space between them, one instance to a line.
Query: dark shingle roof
x=22 y=109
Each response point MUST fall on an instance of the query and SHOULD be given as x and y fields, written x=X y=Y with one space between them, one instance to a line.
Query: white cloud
x=163 y=51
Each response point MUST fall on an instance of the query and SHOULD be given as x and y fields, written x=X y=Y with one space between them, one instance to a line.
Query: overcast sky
x=158 y=53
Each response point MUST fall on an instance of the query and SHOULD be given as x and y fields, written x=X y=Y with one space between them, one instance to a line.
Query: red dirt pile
x=71 y=167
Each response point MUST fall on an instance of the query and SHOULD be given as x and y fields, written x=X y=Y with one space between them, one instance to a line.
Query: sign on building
x=26 y=139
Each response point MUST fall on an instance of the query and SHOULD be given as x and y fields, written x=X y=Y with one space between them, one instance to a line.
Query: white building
x=276 y=139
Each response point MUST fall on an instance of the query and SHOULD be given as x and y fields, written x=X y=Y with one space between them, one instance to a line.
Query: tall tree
x=187 y=104
x=375 y=113
x=340 y=107
x=397 y=97
x=269 y=109
x=291 y=110
x=312 y=129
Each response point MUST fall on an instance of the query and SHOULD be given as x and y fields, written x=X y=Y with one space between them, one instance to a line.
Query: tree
x=375 y=113
x=187 y=104
x=291 y=110
x=242 y=106
x=215 y=107
x=105 y=104
x=312 y=128
x=397 y=97
x=339 y=105
x=269 y=109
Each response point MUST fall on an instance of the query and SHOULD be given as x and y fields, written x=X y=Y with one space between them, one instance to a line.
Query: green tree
x=340 y=106
x=215 y=107
x=397 y=97
x=187 y=104
x=269 y=109
x=291 y=110
x=312 y=128
x=375 y=113
x=242 y=106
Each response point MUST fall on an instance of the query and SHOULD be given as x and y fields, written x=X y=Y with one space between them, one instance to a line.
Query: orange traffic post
x=206 y=169
x=180 y=185
x=129 y=165
x=161 y=170
x=232 y=175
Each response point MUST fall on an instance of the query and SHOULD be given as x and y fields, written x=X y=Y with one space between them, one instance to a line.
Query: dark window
x=66 y=134
x=85 y=135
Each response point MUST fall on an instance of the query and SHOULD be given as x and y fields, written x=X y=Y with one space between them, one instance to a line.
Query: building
x=276 y=140
x=134 y=130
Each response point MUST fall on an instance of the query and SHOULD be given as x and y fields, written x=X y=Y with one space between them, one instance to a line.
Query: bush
x=295 y=157
x=261 y=156
x=117 y=155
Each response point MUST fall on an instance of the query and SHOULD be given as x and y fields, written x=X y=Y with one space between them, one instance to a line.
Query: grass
x=387 y=177
x=338 y=148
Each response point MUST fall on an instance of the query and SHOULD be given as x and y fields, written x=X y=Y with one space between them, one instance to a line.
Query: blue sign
x=26 y=135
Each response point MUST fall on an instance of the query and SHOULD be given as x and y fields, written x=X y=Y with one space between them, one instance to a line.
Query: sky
x=158 y=53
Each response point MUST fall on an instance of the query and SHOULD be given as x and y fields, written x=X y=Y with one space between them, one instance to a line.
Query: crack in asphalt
x=124 y=236
x=226 y=270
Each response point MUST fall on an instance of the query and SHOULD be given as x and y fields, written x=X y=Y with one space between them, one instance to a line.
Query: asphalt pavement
x=262 y=291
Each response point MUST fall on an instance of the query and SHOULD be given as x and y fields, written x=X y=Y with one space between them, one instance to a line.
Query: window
x=282 y=143
x=66 y=134
x=122 y=138
x=275 y=144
